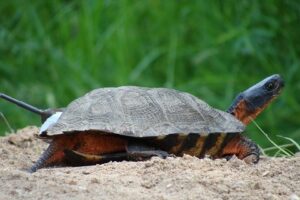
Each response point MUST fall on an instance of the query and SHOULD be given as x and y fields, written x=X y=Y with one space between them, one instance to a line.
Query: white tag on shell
x=50 y=121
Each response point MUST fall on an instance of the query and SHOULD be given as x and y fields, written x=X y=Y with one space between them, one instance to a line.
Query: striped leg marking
x=243 y=148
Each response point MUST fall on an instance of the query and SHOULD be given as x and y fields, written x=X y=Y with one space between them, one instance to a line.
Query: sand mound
x=173 y=178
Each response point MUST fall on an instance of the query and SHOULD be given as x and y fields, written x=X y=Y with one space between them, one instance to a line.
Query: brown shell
x=143 y=112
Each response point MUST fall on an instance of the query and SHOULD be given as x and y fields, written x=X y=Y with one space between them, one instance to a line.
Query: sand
x=173 y=178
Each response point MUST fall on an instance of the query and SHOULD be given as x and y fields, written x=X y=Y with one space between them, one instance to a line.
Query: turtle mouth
x=278 y=89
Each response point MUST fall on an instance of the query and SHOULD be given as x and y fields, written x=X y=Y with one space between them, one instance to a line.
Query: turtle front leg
x=243 y=148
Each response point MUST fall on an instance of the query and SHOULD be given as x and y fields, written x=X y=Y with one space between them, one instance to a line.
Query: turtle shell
x=142 y=112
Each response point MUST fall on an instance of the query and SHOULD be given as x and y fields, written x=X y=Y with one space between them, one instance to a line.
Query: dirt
x=172 y=178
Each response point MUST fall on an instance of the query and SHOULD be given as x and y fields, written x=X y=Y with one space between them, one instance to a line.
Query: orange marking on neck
x=242 y=113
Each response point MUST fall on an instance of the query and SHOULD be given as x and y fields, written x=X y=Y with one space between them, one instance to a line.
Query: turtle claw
x=251 y=159
x=144 y=155
x=161 y=154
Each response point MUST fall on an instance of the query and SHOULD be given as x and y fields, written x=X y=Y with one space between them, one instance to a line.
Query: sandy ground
x=173 y=178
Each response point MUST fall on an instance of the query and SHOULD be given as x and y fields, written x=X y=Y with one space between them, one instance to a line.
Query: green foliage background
x=52 y=52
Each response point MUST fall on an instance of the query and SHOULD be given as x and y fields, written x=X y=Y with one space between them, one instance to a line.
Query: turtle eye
x=270 y=86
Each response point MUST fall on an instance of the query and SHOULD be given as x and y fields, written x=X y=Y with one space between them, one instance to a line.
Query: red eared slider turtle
x=136 y=123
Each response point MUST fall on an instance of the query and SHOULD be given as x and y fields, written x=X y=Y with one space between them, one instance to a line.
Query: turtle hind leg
x=243 y=148
x=43 y=159
x=52 y=156
x=139 y=151
x=136 y=152
x=76 y=158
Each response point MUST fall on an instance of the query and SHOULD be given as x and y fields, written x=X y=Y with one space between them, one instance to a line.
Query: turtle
x=136 y=123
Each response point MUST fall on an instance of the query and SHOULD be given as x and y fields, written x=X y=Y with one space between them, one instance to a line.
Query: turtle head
x=45 y=114
x=250 y=103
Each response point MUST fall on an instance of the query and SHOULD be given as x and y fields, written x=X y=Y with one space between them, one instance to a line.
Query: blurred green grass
x=52 y=52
